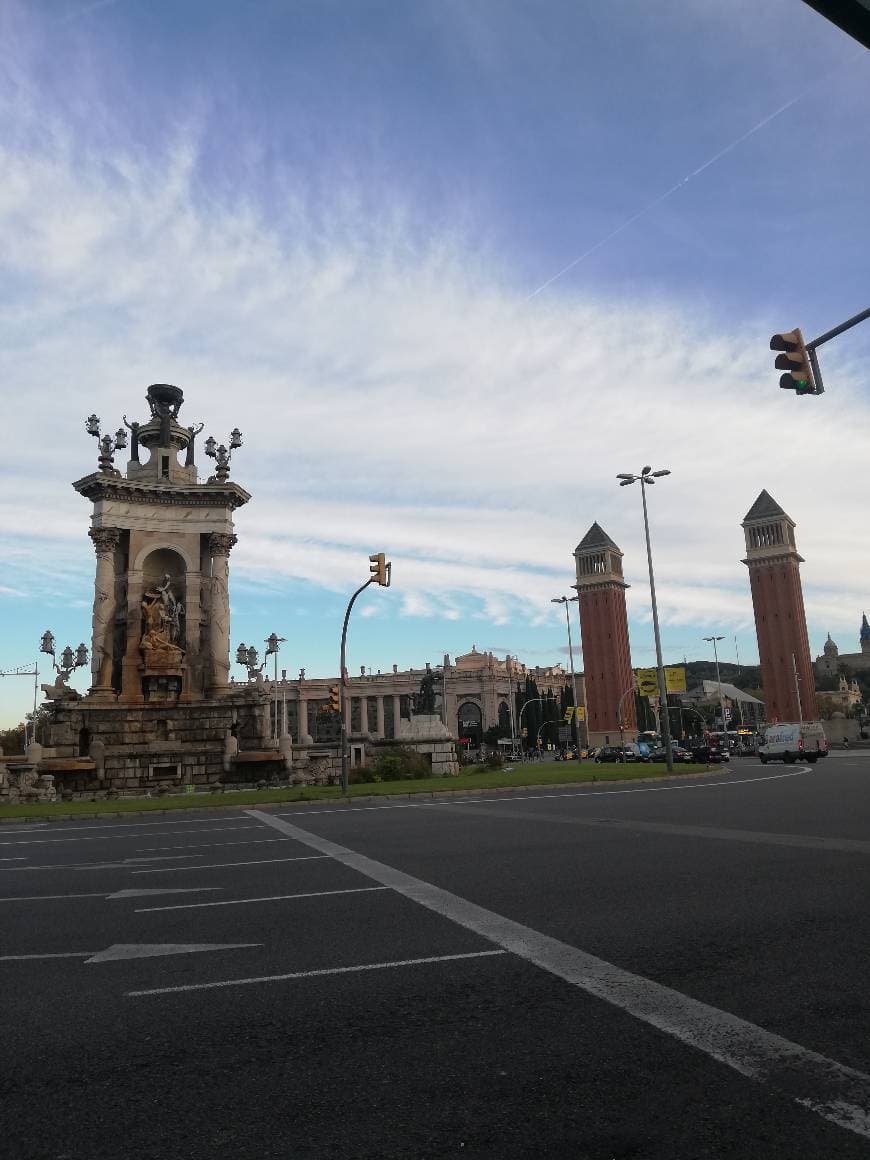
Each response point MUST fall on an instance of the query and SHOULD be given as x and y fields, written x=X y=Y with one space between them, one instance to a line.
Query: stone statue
x=172 y=609
x=425 y=700
x=160 y=616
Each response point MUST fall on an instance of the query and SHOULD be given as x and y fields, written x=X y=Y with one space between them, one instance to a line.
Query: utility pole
x=797 y=688
x=565 y=600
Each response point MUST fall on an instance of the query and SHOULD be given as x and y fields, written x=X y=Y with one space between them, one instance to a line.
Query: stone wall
x=138 y=748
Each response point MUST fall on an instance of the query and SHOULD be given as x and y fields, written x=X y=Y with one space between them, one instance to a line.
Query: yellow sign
x=648 y=683
x=579 y=713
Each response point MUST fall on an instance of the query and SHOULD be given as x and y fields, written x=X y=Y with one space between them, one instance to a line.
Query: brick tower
x=604 y=628
x=780 y=621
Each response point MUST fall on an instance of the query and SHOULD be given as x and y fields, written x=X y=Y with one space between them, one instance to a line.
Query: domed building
x=828 y=664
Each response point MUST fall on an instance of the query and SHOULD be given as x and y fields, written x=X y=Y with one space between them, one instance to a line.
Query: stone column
x=220 y=545
x=379 y=729
x=131 y=680
x=193 y=679
x=305 y=737
x=103 y=627
x=397 y=714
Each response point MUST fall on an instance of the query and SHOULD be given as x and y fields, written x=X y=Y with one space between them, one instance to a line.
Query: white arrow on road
x=153 y=950
x=132 y=951
x=171 y=890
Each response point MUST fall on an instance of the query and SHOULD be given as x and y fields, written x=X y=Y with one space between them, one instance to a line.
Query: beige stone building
x=478 y=696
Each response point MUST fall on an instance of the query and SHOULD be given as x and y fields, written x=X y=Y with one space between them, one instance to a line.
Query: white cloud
x=395 y=391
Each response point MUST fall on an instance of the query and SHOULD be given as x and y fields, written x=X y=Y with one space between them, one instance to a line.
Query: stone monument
x=425 y=730
x=160 y=709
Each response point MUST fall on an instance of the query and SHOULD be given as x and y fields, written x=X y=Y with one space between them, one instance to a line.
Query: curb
x=424 y=795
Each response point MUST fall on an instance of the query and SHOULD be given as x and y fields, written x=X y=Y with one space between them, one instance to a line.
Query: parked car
x=791 y=741
x=682 y=755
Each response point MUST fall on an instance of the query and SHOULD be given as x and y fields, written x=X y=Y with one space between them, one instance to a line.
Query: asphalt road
x=670 y=970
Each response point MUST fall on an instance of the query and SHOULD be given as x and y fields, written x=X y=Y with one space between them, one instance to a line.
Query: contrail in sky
x=679 y=185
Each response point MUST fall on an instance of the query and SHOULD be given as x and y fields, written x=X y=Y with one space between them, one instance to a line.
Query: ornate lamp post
x=222 y=454
x=273 y=644
x=69 y=659
x=108 y=444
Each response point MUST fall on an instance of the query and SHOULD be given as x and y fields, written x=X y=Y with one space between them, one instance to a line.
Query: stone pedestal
x=428 y=734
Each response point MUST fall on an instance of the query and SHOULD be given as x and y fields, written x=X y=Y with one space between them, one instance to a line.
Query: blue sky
x=330 y=223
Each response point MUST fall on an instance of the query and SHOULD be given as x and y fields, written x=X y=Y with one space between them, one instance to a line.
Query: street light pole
x=713 y=640
x=565 y=601
x=647 y=478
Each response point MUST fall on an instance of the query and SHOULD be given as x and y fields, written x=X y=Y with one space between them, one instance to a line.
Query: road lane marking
x=123 y=951
x=121 y=864
x=266 y=898
x=145 y=892
x=20 y=858
x=48 y=897
x=516 y=796
x=315 y=974
x=758 y=837
x=120 y=951
x=832 y=1090
x=159 y=821
x=61 y=955
x=109 y=897
x=211 y=845
x=117 y=837
x=224 y=865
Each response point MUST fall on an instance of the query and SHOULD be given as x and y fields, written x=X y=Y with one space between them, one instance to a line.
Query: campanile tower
x=604 y=628
x=780 y=621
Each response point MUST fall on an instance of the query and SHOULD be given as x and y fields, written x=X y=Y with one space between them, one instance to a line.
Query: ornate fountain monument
x=161 y=709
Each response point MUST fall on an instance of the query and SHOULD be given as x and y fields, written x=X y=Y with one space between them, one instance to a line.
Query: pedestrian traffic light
x=334 y=699
x=380 y=569
x=795 y=360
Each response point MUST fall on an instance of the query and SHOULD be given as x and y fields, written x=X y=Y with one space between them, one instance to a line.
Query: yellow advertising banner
x=647 y=682
x=648 y=685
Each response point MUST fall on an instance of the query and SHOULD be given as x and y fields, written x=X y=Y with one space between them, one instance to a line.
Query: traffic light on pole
x=795 y=361
x=334 y=699
x=378 y=568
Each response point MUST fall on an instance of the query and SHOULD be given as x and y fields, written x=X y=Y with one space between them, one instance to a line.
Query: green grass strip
x=532 y=774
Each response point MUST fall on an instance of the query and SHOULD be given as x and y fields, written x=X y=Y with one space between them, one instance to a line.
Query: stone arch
x=504 y=718
x=470 y=722
x=138 y=564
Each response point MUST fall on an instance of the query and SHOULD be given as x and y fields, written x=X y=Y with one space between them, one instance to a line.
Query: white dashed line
x=267 y=898
x=315 y=974
x=224 y=865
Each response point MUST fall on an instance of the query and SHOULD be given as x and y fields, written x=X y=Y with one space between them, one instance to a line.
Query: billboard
x=648 y=685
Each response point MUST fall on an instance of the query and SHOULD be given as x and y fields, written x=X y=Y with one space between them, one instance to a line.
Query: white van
x=792 y=741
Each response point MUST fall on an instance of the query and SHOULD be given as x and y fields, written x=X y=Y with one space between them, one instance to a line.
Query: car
x=608 y=753
x=682 y=755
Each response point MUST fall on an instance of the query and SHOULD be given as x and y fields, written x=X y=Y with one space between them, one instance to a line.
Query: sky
x=450 y=266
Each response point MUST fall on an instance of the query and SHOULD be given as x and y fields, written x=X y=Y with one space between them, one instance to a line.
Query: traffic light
x=380 y=569
x=334 y=699
x=795 y=361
